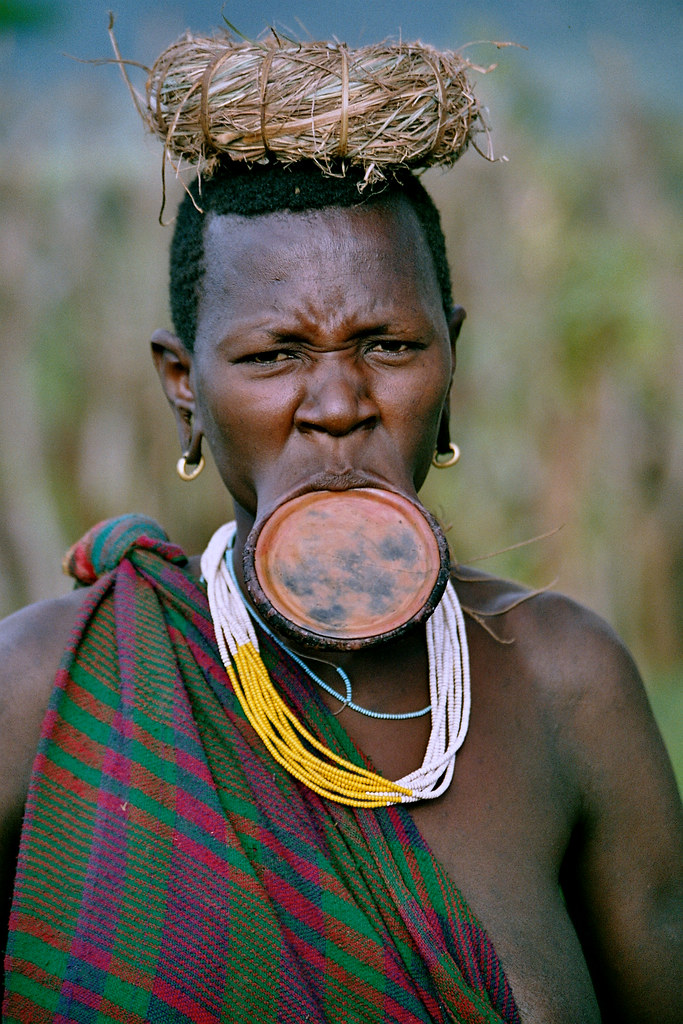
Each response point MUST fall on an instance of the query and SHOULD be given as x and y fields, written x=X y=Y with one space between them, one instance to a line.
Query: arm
x=31 y=645
x=623 y=873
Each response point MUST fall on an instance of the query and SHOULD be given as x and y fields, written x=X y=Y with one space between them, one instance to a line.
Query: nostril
x=337 y=408
x=337 y=427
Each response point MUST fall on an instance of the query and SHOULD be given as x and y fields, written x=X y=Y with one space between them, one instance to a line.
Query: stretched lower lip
x=343 y=480
x=334 y=480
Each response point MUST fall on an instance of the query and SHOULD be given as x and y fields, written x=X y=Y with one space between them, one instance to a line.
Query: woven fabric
x=171 y=871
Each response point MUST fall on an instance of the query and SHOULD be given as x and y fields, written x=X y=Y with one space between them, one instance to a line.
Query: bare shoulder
x=32 y=642
x=576 y=666
x=569 y=650
x=33 y=639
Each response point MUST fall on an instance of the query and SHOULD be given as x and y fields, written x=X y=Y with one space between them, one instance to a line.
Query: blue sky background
x=576 y=49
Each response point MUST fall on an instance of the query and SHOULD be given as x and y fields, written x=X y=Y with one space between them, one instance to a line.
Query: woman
x=193 y=851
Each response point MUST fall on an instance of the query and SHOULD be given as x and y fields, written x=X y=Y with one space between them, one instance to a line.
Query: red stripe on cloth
x=171 y=853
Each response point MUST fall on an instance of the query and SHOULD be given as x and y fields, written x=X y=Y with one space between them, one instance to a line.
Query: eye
x=392 y=347
x=268 y=357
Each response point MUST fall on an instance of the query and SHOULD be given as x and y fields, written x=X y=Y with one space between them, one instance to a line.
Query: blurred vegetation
x=567 y=405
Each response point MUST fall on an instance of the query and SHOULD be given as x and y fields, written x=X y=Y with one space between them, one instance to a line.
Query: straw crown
x=381 y=106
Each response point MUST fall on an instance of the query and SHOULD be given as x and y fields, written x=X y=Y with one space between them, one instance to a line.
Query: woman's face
x=322 y=355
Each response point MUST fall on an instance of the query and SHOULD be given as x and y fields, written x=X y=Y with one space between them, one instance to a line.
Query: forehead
x=378 y=253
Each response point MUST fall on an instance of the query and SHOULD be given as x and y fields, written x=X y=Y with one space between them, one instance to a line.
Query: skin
x=323 y=352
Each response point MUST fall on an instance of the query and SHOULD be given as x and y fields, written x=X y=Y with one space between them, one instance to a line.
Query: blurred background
x=568 y=405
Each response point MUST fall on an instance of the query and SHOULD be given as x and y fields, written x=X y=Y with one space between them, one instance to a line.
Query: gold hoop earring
x=189 y=474
x=450 y=460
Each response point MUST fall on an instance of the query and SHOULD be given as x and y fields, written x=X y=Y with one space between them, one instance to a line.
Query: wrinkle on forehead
x=273 y=247
x=320 y=273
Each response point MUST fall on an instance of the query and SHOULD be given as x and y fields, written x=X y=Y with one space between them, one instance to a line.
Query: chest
x=501 y=832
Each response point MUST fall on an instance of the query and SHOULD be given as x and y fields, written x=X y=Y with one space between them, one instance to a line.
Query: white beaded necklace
x=449 y=685
x=346 y=699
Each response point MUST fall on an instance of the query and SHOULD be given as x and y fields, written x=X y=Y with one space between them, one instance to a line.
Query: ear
x=455 y=322
x=174 y=365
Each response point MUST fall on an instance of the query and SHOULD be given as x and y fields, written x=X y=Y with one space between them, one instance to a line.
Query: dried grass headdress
x=382 y=106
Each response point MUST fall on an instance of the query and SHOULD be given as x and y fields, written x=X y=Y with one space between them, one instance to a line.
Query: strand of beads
x=346 y=700
x=292 y=745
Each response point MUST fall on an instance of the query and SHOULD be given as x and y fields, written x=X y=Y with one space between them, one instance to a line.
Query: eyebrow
x=365 y=332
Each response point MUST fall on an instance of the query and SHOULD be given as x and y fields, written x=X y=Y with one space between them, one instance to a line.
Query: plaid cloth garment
x=171 y=871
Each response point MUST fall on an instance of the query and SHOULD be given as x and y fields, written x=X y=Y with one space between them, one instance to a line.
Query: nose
x=337 y=400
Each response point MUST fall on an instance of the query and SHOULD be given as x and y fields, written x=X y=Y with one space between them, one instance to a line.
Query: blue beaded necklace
x=347 y=699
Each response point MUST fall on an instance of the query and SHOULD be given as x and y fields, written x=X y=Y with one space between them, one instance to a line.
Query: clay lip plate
x=348 y=564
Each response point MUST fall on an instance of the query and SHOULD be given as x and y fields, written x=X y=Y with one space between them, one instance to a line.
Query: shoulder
x=577 y=672
x=32 y=642
x=565 y=646
x=31 y=645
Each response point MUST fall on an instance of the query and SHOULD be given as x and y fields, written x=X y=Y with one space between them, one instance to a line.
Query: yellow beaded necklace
x=289 y=742
x=285 y=737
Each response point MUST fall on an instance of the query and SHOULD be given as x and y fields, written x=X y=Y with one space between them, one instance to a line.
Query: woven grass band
x=380 y=106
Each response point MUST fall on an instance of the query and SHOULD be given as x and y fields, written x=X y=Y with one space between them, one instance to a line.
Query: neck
x=244 y=521
x=388 y=677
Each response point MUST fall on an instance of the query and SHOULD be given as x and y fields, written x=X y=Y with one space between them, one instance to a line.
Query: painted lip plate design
x=344 y=569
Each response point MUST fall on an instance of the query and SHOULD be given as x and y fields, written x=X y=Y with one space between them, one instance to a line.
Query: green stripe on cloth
x=170 y=870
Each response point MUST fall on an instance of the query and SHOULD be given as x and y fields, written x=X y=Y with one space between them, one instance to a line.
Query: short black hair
x=250 y=191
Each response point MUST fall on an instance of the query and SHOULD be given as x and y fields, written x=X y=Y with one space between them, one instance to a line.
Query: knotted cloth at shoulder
x=109 y=542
